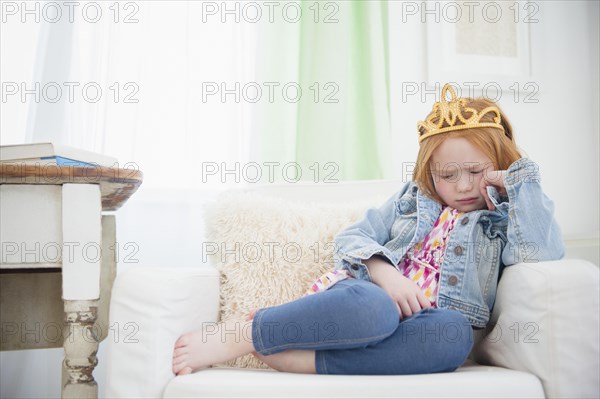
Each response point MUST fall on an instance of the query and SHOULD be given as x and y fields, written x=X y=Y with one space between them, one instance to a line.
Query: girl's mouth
x=467 y=200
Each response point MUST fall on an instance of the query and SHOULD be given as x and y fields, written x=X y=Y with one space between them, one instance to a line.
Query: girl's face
x=457 y=169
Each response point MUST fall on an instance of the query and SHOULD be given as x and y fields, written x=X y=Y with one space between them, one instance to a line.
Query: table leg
x=81 y=346
x=81 y=260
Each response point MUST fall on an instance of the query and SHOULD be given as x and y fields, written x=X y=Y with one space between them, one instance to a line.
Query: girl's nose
x=465 y=183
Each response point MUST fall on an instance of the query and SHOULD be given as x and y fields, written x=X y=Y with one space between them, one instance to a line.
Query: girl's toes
x=181 y=341
x=179 y=359
x=185 y=370
x=180 y=351
x=177 y=368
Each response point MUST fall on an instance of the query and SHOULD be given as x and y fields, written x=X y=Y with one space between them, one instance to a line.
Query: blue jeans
x=354 y=328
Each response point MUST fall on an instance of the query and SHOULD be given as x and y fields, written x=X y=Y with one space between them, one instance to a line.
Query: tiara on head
x=450 y=111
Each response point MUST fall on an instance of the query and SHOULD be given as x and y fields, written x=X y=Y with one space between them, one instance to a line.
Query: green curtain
x=339 y=128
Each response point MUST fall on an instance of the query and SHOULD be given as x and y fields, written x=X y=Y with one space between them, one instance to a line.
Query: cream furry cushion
x=269 y=251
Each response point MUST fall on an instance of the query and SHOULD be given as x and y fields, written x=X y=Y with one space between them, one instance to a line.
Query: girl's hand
x=492 y=178
x=407 y=295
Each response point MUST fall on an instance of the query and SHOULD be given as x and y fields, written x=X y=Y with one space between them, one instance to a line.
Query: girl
x=415 y=276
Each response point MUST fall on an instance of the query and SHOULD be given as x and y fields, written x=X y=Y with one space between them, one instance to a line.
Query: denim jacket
x=521 y=229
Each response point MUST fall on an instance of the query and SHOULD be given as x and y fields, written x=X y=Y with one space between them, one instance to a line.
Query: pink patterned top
x=421 y=263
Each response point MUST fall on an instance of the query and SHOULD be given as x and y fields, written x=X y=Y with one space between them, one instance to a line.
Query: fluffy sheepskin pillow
x=269 y=251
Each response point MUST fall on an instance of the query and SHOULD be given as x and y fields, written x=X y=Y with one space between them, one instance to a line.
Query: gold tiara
x=450 y=111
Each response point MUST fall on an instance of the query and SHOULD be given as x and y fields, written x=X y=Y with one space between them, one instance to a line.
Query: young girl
x=415 y=276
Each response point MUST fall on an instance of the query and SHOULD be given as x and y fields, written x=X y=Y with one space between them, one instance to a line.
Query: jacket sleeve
x=367 y=237
x=533 y=234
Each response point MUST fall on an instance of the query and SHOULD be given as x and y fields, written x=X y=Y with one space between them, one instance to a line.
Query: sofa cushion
x=270 y=250
x=469 y=381
x=541 y=332
x=150 y=308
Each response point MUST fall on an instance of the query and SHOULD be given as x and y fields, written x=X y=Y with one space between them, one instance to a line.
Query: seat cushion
x=469 y=381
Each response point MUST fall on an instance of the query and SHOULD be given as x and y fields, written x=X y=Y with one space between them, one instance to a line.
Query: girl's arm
x=407 y=295
x=533 y=234
x=361 y=251
x=367 y=237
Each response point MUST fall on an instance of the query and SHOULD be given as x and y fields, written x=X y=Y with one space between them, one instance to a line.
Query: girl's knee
x=373 y=307
x=457 y=335
x=446 y=334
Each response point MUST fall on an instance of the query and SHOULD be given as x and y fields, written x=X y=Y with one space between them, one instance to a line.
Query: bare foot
x=189 y=354
x=216 y=343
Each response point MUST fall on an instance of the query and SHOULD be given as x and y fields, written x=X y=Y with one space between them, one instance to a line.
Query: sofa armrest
x=545 y=321
x=150 y=309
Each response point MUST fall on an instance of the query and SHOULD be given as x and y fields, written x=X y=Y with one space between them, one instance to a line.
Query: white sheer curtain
x=135 y=84
x=141 y=79
x=158 y=66
x=138 y=88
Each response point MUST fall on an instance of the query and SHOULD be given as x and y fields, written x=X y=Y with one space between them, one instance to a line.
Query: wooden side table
x=58 y=261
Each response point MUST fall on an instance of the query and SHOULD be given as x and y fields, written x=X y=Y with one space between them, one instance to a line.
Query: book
x=52 y=154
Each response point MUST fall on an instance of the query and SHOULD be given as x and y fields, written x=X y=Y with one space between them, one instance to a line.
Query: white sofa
x=542 y=341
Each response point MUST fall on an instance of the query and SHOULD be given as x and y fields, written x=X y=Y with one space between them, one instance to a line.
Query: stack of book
x=52 y=154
